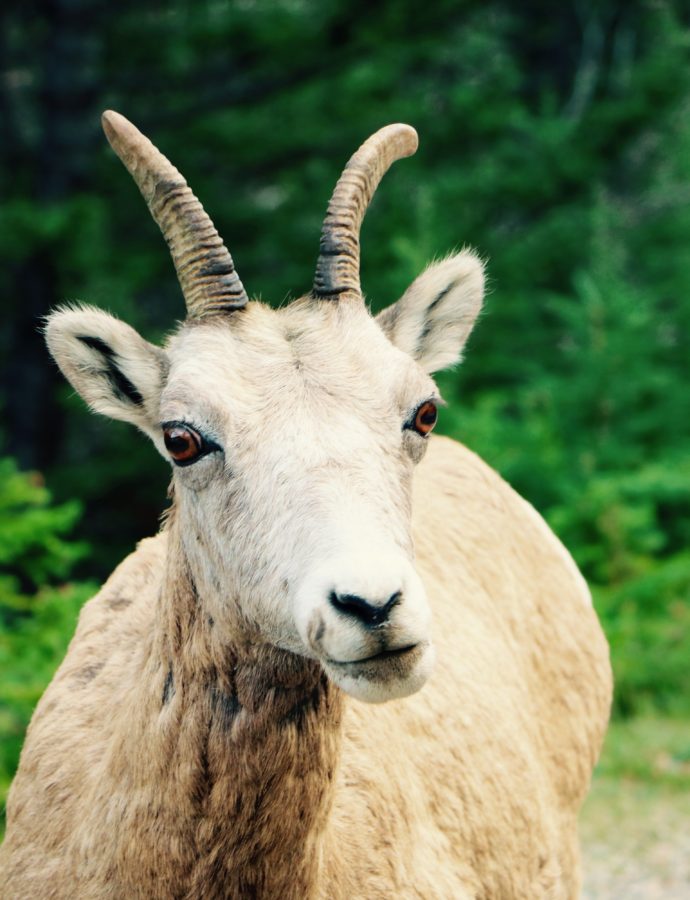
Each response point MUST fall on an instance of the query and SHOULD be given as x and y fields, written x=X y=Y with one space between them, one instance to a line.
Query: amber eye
x=182 y=443
x=425 y=417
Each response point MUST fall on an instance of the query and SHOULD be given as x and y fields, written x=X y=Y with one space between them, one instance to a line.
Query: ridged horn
x=204 y=267
x=337 y=269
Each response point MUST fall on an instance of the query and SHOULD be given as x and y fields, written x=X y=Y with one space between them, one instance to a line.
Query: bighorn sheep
x=201 y=740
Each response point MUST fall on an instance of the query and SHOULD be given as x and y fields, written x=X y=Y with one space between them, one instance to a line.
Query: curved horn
x=204 y=267
x=337 y=269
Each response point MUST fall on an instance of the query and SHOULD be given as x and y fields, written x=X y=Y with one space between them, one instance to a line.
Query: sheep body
x=252 y=775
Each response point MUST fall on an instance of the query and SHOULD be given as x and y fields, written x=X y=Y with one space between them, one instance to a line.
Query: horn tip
x=110 y=119
x=408 y=137
x=116 y=126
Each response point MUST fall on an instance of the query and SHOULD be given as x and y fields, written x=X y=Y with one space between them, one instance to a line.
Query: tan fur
x=164 y=762
x=204 y=737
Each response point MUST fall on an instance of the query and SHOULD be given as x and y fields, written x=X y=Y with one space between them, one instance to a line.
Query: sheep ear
x=109 y=364
x=434 y=317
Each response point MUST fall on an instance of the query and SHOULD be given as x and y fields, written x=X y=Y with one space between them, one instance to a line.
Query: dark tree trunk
x=49 y=105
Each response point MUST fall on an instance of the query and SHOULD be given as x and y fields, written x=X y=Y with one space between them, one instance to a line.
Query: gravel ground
x=636 y=842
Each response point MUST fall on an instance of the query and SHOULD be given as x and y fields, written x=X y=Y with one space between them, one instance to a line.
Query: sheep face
x=298 y=526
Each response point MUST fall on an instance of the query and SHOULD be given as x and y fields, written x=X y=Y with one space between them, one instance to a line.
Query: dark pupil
x=178 y=441
x=428 y=415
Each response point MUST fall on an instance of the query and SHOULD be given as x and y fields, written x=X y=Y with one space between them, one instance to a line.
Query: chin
x=387 y=676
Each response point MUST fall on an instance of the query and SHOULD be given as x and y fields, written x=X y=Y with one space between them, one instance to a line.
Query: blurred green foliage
x=554 y=139
x=32 y=544
x=38 y=610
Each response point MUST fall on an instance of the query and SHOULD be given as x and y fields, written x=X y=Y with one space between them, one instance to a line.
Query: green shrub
x=38 y=611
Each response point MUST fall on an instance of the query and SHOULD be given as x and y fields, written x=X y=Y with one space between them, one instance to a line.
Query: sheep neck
x=252 y=735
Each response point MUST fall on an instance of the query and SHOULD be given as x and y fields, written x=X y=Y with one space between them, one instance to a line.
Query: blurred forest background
x=555 y=138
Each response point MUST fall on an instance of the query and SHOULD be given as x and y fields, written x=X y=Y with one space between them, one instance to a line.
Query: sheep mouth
x=382 y=656
x=387 y=675
x=386 y=667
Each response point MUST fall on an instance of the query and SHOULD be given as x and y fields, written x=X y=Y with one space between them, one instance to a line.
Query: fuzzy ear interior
x=109 y=364
x=434 y=317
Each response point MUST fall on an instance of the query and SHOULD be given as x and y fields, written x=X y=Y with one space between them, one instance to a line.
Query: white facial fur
x=307 y=504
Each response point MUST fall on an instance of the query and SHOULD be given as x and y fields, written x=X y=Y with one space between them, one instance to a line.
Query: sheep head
x=292 y=433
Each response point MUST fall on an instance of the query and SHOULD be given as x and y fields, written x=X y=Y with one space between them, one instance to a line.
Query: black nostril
x=368 y=613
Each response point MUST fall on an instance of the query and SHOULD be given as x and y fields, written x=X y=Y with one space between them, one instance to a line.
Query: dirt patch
x=635 y=842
